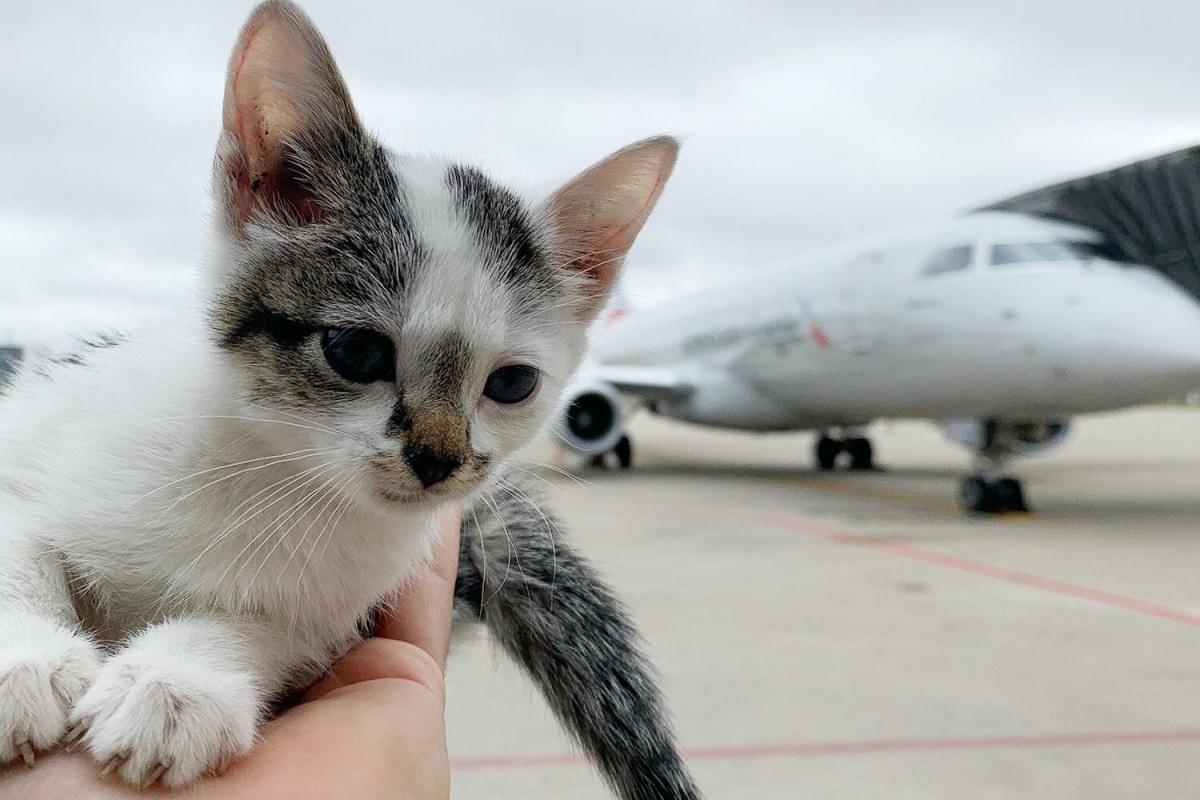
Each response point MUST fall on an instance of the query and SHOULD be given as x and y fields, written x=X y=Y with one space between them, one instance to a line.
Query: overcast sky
x=805 y=123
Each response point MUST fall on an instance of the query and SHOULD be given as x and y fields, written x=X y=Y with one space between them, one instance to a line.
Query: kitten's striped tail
x=551 y=612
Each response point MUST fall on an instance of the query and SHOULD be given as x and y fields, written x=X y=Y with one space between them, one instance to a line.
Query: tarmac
x=854 y=636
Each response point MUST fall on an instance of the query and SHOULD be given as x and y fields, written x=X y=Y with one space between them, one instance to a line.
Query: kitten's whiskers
x=550 y=528
x=262 y=536
x=285 y=458
x=277 y=490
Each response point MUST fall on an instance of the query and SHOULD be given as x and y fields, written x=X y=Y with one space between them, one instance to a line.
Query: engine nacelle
x=1009 y=438
x=590 y=420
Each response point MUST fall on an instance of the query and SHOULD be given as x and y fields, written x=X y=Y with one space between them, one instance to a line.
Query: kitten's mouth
x=392 y=490
x=433 y=494
x=404 y=497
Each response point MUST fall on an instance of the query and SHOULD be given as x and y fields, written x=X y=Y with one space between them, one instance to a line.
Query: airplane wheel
x=862 y=455
x=624 y=452
x=1010 y=495
x=978 y=496
x=826 y=453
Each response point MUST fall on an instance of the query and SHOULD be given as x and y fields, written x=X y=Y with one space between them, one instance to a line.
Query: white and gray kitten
x=196 y=520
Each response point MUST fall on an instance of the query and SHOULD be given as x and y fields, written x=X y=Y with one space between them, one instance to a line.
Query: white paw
x=44 y=670
x=172 y=720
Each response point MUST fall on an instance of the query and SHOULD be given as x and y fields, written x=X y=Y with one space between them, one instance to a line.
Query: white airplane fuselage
x=1020 y=330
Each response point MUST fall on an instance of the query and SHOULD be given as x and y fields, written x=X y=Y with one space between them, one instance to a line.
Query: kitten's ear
x=599 y=213
x=284 y=97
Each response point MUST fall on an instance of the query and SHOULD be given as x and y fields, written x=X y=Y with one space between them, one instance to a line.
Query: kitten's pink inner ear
x=282 y=86
x=600 y=213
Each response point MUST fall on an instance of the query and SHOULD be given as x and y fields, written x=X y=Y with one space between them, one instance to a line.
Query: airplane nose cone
x=1158 y=343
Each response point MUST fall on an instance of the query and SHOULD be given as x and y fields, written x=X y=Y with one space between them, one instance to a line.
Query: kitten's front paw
x=173 y=721
x=44 y=670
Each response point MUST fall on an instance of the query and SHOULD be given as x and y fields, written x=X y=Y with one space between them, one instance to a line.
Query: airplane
x=1001 y=324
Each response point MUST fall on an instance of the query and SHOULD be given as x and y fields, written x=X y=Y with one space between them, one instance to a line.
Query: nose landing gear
x=981 y=495
x=988 y=490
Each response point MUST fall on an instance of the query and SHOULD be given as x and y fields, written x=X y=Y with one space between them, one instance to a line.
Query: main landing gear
x=623 y=450
x=859 y=452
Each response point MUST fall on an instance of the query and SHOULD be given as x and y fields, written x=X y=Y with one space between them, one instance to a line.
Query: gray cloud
x=805 y=123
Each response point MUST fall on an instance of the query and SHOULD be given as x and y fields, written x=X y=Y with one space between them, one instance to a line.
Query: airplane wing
x=649 y=383
x=1150 y=209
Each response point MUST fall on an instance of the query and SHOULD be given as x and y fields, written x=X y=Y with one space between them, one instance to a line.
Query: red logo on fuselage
x=614 y=316
x=819 y=337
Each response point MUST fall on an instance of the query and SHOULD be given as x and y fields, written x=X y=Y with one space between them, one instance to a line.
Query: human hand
x=374 y=727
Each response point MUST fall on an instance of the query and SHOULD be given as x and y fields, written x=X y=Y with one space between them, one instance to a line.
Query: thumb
x=422 y=610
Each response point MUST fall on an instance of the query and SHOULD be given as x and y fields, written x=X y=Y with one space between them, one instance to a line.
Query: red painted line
x=869 y=747
x=914 y=553
x=515 y=762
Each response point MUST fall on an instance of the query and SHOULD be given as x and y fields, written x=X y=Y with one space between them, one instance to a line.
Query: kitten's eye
x=511 y=384
x=358 y=354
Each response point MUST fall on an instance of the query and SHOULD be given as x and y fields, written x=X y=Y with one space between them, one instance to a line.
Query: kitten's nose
x=429 y=465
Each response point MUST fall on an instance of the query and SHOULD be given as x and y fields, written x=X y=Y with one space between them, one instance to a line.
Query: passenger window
x=952 y=259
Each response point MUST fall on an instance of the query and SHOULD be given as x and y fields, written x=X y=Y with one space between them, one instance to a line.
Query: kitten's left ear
x=598 y=215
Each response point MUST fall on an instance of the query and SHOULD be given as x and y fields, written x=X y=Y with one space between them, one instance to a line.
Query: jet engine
x=590 y=419
x=1008 y=438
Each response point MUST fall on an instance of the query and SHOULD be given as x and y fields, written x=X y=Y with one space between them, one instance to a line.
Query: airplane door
x=865 y=294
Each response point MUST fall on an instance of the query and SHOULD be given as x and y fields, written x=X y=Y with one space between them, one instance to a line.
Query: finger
x=379 y=658
x=422 y=609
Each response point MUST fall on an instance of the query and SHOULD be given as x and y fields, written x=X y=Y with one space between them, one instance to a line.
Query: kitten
x=195 y=521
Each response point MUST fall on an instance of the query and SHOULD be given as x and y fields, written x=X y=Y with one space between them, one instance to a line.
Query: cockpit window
x=1033 y=252
x=951 y=259
x=1108 y=251
x=1040 y=252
